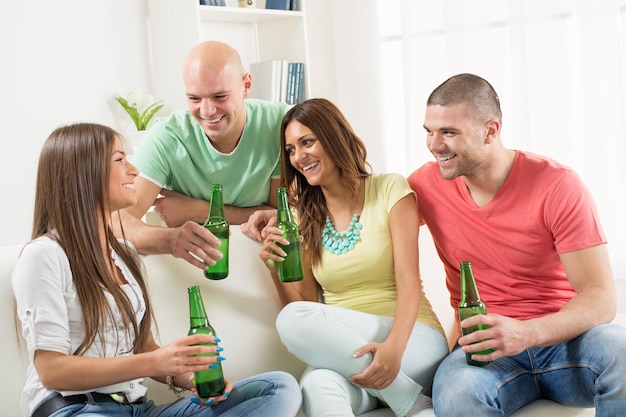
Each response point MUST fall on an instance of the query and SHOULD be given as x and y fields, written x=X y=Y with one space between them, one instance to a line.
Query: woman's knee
x=290 y=317
x=320 y=378
x=324 y=383
x=325 y=392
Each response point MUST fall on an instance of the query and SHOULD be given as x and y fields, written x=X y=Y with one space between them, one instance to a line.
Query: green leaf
x=141 y=120
x=148 y=113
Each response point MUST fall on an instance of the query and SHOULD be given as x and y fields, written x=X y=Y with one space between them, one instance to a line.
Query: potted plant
x=141 y=109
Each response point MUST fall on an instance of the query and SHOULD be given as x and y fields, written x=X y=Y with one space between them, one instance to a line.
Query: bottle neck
x=469 y=291
x=197 y=314
x=195 y=322
x=283 y=212
x=217 y=204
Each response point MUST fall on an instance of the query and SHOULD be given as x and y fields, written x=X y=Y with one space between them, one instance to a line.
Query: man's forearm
x=586 y=310
x=149 y=240
x=239 y=215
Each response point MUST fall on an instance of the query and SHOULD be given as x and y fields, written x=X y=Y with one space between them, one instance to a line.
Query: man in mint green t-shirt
x=224 y=138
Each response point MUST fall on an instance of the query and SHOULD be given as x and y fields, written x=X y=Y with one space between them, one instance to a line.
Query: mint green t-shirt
x=176 y=155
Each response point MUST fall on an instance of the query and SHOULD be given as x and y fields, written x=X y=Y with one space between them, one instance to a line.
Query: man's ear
x=492 y=129
x=247 y=83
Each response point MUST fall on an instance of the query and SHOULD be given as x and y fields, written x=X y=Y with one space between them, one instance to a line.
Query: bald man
x=223 y=137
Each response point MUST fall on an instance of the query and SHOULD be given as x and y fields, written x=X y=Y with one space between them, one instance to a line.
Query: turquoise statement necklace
x=341 y=242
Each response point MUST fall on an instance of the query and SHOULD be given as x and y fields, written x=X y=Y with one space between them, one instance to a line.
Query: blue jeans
x=585 y=372
x=272 y=394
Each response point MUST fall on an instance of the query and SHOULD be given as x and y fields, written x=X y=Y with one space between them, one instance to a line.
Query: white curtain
x=558 y=67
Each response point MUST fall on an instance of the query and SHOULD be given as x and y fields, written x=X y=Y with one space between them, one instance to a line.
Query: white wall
x=359 y=95
x=63 y=61
x=355 y=47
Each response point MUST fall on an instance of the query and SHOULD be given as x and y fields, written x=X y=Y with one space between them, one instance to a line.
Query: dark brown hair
x=479 y=97
x=344 y=148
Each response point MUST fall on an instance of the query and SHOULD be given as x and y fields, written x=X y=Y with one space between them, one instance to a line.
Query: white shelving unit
x=257 y=34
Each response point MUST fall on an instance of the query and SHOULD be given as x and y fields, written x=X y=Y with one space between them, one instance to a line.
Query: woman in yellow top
x=375 y=338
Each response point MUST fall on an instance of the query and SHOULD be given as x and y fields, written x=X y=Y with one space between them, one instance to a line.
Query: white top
x=51 y=317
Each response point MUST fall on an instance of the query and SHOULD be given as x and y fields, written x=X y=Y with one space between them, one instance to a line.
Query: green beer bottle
x=216 y=223
x=209 y=383
x=471 y=305
x=290 y=269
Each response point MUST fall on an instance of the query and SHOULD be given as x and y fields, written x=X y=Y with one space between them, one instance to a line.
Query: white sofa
x=242 y=309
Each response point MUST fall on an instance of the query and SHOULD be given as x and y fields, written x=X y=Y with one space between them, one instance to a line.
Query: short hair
x=469 y=89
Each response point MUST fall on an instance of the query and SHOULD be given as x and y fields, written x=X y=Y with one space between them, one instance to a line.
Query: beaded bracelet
x=169 y=380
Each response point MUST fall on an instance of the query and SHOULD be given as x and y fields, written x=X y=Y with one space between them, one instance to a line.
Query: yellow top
x=363 y=279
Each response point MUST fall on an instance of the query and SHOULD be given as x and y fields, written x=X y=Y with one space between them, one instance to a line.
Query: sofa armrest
x=13 y=347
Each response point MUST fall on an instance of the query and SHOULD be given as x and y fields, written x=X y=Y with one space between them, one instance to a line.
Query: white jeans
x=325 y=337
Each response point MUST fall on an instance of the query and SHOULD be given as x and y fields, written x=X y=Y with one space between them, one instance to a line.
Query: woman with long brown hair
x=83 y=305
x=375 y=337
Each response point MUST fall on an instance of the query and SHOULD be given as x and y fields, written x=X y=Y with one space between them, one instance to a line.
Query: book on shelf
x=284 y=68
x=213 y=2
x=299 y=82
x=295 y=77
x=280 y=4
x=277 y=80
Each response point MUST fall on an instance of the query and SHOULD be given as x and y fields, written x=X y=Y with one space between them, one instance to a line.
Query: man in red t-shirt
x=531 y=230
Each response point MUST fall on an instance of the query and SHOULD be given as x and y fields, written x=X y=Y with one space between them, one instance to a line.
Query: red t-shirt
x=513 y=242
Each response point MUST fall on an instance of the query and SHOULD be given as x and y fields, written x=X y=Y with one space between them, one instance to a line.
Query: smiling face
x=216 y=101
x=216 y=86
x=307 y=155
x=121 y=179
x=457 y=139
